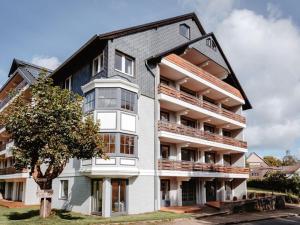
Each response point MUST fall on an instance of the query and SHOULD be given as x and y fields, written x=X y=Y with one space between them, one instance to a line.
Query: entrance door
x=97 y=196
x=9 y=190
x=118 y=196
x=211 y=191
x=189 y=192
x=19 y=191
x=2 y=190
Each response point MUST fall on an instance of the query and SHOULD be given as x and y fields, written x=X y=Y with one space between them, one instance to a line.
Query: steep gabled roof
x=32 y=68
x=254 y=153
x=94 y=41
x=231 y=79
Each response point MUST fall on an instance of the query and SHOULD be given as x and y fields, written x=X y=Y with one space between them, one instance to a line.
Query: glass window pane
x=118 y=61
x=95 y=66
x=128 y=65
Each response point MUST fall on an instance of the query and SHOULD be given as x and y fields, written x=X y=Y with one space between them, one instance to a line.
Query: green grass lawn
x=30 y=216
x=257 y=190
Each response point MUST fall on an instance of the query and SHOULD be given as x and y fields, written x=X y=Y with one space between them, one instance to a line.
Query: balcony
x=165 y=164
x=10 y=96
x=196 y=133
x=11 y=170
x=167 y=90
x=175 y=67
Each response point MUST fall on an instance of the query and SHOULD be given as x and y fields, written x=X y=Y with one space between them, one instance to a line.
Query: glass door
x=118 y=196
x=97 y=196
x=210 y=191
x=19 y=191
x=189 y=192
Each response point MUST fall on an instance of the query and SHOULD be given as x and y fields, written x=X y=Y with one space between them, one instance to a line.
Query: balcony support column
x=106 y=201
x=221 y=191
x=203 y=192
x=178 y=152
x=201 y=156
x=179 y=192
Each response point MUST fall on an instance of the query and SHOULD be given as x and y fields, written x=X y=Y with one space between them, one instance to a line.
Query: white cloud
x=264 y=51
x=46 y=61
x=211 y=12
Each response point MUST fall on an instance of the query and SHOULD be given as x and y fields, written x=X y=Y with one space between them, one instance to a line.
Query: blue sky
x=262 y=32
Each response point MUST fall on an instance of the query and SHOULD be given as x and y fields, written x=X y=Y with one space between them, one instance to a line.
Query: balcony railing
x=165 y=89
x=11 y=170
x=203 y=74
x=192 y=132
x=10 y=96
x=165 y=164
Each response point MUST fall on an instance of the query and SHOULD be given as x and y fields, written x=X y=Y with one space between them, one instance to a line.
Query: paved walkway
x=236 y=218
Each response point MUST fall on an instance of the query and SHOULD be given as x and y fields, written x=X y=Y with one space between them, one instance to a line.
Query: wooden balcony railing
x=165 y=89
x=203 y=74
x=11 y=170
x=192 y=132
x=10 y=96
x=165 y=164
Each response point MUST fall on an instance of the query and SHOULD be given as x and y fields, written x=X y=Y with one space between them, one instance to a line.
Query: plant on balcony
x=49 y=130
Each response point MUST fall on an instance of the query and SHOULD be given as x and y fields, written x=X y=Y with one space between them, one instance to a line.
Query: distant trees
x=272 y=161
x=287 y=160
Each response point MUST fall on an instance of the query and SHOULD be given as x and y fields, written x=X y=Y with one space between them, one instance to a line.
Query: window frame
x=123 y=63
x=61 y=189
x=100 y=59
x=132 y=145
x=93 y=101
x=69 y=78
x=132 y=100
x=109 y=142
x=165 y=113
x=162 y=146
x=188 y=29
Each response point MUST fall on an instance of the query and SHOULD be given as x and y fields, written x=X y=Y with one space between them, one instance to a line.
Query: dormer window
x=184 y=30
x=98 y=64
x=68 y=83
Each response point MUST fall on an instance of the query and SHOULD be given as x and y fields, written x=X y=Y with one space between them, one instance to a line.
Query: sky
x=261 y=39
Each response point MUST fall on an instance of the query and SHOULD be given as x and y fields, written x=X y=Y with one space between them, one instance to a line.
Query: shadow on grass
x=23 y=216
x=65 y=215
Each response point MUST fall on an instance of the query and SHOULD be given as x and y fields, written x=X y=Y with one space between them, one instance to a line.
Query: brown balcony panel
x=11 y=170
x=203 y=74
x=192 y=132
x=165 y=164
x=167 y=90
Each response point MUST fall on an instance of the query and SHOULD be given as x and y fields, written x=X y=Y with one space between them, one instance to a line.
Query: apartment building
x=170 y=108
x=16 y=185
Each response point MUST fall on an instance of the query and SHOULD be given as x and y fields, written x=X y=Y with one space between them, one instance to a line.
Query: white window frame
x=70 y=83
x=123 y=56
x=61 y=188
x=100 y=67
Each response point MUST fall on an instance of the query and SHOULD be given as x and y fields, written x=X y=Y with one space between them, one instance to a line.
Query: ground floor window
x=118 y=196
x=64 y=186
x=97 y=196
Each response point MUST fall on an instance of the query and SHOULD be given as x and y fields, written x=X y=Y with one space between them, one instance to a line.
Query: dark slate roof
x=27 y=70
x=231 y=79
x=89 y=46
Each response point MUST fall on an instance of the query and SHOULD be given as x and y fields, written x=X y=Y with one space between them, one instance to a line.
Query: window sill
x=130 y=75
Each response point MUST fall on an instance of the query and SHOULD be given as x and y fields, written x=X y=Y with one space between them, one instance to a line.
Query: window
x=209 y=128
x=89 y=101
x=164 y=80
x=164 y=116
x=188 y=122
x=188 y=91
x=188 y=155
x=124 y=63
x=205 y=98
x=127 y=144
x=165 y=151
x=165 y=188
x=107 y=98
x=184 y=30
x=210 y=157
x=109 y=141
x=64 y=186
x=227 y=133
x=98 y=64
x=68 y=83
x=128 y=100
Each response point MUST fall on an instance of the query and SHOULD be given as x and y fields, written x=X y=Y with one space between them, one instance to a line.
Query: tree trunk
x=45 y=208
